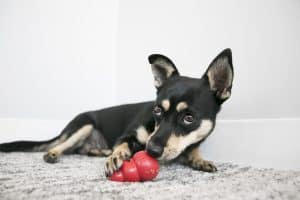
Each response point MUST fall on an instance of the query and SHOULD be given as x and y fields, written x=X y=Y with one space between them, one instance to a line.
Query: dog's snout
x=154 y=150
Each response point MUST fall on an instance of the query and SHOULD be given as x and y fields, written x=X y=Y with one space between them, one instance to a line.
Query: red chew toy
x=141 y=167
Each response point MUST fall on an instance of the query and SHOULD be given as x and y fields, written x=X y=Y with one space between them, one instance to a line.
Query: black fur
x=23 y=145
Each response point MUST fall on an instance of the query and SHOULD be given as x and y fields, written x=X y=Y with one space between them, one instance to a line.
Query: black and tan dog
x=170 y=128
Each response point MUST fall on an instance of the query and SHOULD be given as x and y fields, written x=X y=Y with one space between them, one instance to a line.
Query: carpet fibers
x=27 y=176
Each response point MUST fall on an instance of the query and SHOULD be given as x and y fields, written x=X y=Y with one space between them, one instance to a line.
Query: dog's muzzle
x=154 y=150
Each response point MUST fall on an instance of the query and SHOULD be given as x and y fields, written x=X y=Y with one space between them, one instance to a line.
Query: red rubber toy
x=141 y=167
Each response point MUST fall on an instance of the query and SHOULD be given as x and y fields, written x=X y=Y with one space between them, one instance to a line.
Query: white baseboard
x=271 y=143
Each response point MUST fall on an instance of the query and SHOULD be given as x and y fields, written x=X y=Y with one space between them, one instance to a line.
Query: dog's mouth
x=169 y=155
x=169 y=152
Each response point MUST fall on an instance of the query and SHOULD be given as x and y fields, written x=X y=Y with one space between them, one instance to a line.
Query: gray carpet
x=27 y=176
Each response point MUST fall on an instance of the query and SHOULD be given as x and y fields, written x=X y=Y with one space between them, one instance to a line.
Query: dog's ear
x=162 y=68
x=220 y=75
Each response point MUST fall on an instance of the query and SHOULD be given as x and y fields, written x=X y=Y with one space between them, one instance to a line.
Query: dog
x=170 y=128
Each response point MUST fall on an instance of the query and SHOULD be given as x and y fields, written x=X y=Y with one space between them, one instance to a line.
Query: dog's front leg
x=120 y=153
x=193 y=159
x=123 y=150
x=133 y=140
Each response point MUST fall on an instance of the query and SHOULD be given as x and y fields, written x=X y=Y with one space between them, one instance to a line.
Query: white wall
x=264 y=37
x=56 y=57
x=62 y=57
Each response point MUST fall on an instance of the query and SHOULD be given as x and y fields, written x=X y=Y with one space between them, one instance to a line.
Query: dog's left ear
x=162 y=68
x=220 y=75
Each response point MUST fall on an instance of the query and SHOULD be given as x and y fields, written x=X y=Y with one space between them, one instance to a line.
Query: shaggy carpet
x=27 y=176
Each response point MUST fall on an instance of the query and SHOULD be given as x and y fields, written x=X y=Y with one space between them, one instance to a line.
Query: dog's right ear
x=162 y=68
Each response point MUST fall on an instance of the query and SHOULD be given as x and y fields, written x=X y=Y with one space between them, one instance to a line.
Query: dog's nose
x=154 y=150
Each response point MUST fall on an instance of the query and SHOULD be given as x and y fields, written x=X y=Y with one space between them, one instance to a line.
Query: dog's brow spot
x=181 y=106
x=165 y=104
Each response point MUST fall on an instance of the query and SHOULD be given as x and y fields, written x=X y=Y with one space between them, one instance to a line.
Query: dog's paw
x=204 y=165
x=106 y=152
x=51 y=157
x=115 y=161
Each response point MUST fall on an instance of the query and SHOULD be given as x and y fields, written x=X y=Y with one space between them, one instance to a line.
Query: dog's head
x=186 y=108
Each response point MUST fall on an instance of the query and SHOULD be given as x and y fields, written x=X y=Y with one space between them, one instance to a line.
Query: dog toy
x=141 y=167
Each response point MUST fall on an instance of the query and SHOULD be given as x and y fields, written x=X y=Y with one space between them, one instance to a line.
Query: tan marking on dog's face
x=177 y=144
x=181 y=106
x=142 y=134
x=165 y=104
x=150 y=136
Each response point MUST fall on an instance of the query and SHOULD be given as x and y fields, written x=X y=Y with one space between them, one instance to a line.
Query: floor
x=27 y=176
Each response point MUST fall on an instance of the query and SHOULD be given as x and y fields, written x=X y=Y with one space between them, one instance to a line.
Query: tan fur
x=195 y=160
x=120 y=153
x=163 y=65
x=99 y=152
x=142 y=134
x=177 y=143
x=194 y=155
x=169 y=69
x=80 y=135
x=46 y=147
x=122 y=147
x=181 y=106
x=155 y=129
x=165 y=104
x=218 y=75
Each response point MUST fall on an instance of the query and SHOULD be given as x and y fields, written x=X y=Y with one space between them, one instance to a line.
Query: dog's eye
x=157 y=110
x=188 y=119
